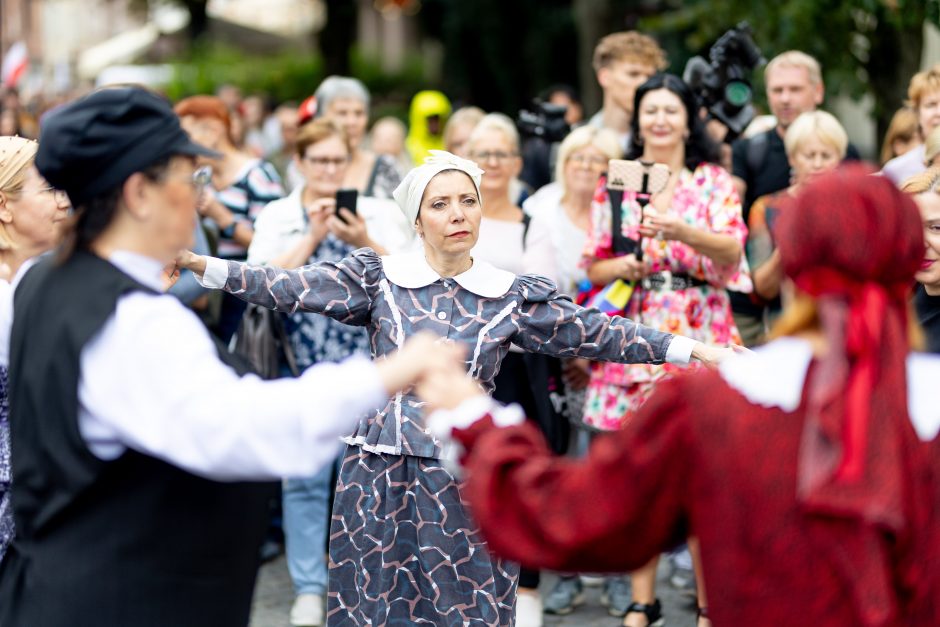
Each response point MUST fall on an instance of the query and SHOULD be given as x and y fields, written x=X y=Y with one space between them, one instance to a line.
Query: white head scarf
x=409 y=192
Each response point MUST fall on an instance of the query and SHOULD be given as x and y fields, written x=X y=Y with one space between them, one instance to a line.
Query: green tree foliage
x=865 y=46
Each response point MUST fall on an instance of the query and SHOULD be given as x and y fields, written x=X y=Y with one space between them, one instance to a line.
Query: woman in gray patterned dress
x=403 y=549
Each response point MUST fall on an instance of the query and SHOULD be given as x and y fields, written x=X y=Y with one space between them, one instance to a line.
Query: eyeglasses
x=496 y=155
x=591 y=162
x=60 y=197
x=325 y=162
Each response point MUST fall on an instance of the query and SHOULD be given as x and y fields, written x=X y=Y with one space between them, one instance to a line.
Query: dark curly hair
x=699 y=146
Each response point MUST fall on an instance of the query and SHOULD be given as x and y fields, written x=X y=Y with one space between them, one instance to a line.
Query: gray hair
x=496 y=122
x=335 y=87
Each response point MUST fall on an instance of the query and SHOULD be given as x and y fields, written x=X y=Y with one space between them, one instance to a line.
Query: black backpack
x=262 y=340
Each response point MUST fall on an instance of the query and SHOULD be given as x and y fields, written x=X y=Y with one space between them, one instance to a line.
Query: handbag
x=262 y=340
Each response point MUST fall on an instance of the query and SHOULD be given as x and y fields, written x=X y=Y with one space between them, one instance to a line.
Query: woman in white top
x=31 y=212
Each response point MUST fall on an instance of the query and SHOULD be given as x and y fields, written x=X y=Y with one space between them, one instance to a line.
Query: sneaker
x=593 y=581
x=616 y=596
x=307 y=611
x=565 y=596
x=529 y=610
x=681 y=575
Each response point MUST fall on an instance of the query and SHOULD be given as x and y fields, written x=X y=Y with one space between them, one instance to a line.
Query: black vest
x=133 y=541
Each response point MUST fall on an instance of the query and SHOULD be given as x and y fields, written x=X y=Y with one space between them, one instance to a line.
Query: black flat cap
x=95 y=143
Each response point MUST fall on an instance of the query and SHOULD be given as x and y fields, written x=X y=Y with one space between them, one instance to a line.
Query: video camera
x=722 y=83
x=541 y=127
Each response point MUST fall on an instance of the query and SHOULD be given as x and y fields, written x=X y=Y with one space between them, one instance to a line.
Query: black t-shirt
x=928 y=314
x=773 y=173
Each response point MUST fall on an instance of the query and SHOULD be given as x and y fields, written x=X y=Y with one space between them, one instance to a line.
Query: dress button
x=441 y=315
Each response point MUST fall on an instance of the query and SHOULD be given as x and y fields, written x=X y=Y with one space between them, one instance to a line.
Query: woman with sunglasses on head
x=31 y=215
x=692 y=239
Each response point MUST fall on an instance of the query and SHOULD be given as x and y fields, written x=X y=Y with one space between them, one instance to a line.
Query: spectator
x=902 y=135
x=567 y=97
x=925 y=189
x=388 y=138
x=346 y=101
x=760 y=166
x=815 y=144
x=241 y=186
x=427 y=117
x=291 y=232
x=285 y=117
x=923 y=96
x=458 y=128
x=932 y=149
x=692 y=238
x=623 y=61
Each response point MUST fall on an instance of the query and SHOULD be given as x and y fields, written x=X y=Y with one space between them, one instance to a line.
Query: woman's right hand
x=630 y=268
x=188 y=260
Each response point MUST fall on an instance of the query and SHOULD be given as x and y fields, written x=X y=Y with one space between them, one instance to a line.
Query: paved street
x=273 y=597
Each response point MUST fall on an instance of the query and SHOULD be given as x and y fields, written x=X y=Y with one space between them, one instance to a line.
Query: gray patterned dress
x=403 y=549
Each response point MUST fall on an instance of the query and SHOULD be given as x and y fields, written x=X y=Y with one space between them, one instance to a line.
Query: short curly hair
x=922 y=84
x=629 y=46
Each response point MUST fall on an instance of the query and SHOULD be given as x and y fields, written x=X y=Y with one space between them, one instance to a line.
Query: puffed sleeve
x=551 y=324
x=342 y=290
x=612 y=511
x=723 y=208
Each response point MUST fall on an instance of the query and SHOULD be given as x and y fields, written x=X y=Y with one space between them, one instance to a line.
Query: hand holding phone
x=346 y=199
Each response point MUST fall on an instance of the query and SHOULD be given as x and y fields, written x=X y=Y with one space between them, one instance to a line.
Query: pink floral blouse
x=707 y=200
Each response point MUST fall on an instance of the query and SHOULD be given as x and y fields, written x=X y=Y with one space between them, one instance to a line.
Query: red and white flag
x=15 y=64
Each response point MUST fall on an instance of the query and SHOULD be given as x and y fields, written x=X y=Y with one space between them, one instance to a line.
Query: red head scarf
x=854 y=242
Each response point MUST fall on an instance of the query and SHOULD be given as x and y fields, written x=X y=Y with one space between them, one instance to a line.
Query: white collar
x=141 y=268
x=411 y=270
x=774 y=375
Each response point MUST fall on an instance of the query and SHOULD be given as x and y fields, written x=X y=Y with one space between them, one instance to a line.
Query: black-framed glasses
x=60 y=197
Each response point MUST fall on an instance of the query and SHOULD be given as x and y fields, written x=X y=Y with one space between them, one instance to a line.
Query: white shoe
x=529 y=610
x=307 y=611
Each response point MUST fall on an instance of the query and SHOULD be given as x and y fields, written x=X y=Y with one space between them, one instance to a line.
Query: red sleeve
x=612 y=511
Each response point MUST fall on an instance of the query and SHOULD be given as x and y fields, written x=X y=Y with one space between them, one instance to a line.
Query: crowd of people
x=428 y=481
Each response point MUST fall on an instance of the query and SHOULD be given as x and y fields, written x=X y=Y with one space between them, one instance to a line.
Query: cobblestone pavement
x=273 y=597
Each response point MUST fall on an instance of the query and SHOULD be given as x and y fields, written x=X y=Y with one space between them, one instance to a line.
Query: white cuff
x=216 y=273
x=442 y=423
x=679 y=351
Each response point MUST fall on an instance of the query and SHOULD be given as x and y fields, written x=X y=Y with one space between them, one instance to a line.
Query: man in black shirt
x=759 y=163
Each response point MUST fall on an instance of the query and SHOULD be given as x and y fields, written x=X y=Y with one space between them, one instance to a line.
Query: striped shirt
x=257 y=184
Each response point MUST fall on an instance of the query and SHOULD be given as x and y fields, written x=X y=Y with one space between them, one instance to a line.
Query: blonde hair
x=496 y=122
x=603 y=139
x=316 y=131
x=932 y=146
x=921 y=84
x=464 y=116
x=17 y=155
x=629 y=46
x=798 y=59
x=819 y=124
x=903 y=127
x=926 y=181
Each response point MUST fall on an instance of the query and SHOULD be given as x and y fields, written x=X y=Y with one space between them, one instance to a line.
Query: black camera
x=545 y=121
x=722 y=83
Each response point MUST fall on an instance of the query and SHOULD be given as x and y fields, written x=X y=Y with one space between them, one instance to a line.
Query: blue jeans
x=306 y=510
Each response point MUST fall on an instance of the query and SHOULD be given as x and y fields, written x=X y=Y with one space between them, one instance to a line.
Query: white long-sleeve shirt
x=151 y=381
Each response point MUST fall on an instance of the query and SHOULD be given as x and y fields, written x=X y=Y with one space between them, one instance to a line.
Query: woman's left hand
x=664 y=226
x=352 y=231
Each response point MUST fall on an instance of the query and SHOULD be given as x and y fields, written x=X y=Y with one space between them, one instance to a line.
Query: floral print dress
x=705 y=199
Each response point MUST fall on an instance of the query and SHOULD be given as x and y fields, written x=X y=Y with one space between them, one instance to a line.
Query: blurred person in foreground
x=135 y=443
x=346 y=101
x=815 y=144
x=923 y=96
x=802 y=466
x=903 y=135
x=32 y=213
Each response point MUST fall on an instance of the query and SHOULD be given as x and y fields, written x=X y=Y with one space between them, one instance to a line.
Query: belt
x=673 y=281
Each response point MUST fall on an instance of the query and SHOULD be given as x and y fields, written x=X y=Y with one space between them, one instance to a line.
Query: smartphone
x=346 y=199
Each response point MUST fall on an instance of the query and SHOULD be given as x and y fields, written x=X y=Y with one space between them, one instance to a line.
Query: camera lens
x=737 y=93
